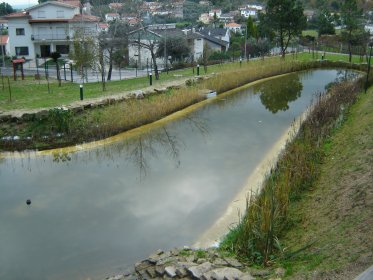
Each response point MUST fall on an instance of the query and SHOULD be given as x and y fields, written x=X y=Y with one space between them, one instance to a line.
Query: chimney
x=209 y=33
x=193 y=30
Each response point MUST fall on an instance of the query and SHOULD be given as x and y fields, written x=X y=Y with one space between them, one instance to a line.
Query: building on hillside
x=214 y=12
x=115 y=6
x=226 y=18
x=112 y=17
x=249 y=13
x=177 y=9
x=204 y=18
x=103 y=27
x=4 y=43
x=233 y=27
x=87 y=9
x=133 y=21
x=369 y=28
x=217 y=33
x=156 y=33
x=309 y=14
x=250 y=10
x=46 y=28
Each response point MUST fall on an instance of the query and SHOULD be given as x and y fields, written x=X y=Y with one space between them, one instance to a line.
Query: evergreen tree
x=351 y=17
x=325 y=22
x=5 y=9
x=286 y=18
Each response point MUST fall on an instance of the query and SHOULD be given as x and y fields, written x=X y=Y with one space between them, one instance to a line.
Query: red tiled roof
x=233 y=24
x=115 y=5
x=78 y=18
x=75 y=3
x=16 y=15
x=103 y=25
x=4 y=39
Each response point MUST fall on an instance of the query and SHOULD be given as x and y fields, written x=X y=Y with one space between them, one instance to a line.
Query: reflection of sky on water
x=94 y=212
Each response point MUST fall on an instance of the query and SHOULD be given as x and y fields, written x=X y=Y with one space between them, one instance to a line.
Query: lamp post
x=370 y=56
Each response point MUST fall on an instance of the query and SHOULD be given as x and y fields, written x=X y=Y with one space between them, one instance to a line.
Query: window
x=63 y=49
x=41 y=14
x=60 y=14
x=20 y=31
x=21 y=50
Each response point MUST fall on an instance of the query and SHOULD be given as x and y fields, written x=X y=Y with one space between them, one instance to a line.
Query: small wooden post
x=10 y=91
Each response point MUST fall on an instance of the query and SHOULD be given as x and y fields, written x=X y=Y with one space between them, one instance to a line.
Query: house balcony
x=50 y=37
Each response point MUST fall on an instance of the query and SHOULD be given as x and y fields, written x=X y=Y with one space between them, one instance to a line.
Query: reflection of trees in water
x=149 y=145
x=276 y=94
x=343 y=76
x=140 y=149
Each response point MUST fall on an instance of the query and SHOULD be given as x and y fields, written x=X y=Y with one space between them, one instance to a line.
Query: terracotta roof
x=75 y=3
x=233 y=24
x=103 y=25
x=4 y=39
x=115 y=5
x=17 y=15
x=78 y=18
x=58 y=3
x=112 y=14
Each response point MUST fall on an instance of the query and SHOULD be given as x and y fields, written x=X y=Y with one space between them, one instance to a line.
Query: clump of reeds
x=256 y=237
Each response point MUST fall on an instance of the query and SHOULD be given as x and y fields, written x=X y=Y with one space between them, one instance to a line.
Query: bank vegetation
x=258 y=237
x=64 y=127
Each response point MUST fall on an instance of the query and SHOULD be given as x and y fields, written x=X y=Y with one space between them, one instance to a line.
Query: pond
x=94 y=212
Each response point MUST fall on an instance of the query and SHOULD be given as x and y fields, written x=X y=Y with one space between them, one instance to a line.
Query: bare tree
x=115 y=39
x=147 y=39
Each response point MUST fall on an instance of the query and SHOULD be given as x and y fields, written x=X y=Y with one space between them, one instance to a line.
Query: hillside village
x=154 y=34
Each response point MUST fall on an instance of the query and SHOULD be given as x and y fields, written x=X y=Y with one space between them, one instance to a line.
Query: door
x=45 y=50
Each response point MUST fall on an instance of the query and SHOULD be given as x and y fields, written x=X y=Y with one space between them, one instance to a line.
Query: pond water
x=95 y=212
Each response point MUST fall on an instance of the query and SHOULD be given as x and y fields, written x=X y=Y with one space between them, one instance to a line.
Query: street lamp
x=368 y=72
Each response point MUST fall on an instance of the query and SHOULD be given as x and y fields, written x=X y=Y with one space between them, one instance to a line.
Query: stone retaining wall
x=19 y=116
x=186 y=263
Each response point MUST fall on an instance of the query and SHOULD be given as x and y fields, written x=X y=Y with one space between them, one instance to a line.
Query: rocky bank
x=186 y=263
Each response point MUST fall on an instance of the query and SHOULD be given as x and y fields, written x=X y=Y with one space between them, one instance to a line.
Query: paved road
x=366 y=275
x=93 y=76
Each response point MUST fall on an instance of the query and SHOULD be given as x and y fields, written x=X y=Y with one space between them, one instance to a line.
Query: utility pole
x=2 y=50
x=246 y=42
x=165 y=46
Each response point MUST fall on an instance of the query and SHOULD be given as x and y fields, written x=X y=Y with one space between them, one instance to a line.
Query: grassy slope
x=338 y=213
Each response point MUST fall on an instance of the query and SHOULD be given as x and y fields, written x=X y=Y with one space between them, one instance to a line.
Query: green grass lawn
x=334 y=57
x=32 y=94
x=310 y=32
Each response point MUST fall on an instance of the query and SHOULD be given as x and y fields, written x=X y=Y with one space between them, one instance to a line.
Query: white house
x=158 y=33
x=204 y=18
x=112 y=16
x=47 y=27
x=216 y=12
x=249 y=12
x=369 y=28
x=233 y=27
